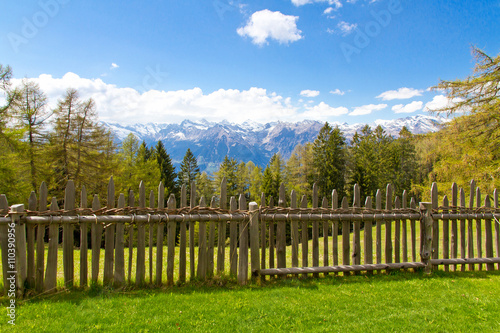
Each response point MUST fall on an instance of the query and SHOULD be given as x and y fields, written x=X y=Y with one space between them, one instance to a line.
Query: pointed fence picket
x=262 y=240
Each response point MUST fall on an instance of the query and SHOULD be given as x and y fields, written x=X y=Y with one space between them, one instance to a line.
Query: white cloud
x=367 y=109
x=346 y=28
x=266 y=24
x=114 y=66
x=337 y=92
x=408 y=108
x=328 y=10
x=323 y=111
x=127 y=105
x=441 y=101
x=309 y=93
x=335 y=3
x=401 y=93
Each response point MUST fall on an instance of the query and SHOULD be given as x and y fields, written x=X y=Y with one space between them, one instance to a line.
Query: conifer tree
x=330 y=160
x=167 y=170
x=189 y=171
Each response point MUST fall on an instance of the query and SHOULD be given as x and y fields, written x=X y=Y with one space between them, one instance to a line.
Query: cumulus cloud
x=127 y=105
x=265 y=24
x=401 y=93
x=346 y=28
x=337 y=92
x=441 y=101
x=367 y=109
x=114 y=66
x=408 y=108
x=309 y=93
x=323 y=111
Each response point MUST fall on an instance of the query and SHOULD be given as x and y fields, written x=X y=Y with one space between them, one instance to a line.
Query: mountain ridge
x=210 y=142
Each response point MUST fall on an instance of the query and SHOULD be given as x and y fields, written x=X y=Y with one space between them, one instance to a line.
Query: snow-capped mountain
x=210 y=142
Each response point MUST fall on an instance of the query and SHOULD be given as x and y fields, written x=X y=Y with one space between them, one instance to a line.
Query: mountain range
x=210 y=142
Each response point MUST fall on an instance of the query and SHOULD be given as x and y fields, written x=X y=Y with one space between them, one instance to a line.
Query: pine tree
x=330 y=160
x=228 y=169
x=189 y=171
x=166 y=168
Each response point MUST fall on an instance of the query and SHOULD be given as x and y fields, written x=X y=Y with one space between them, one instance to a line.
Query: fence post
x=20 y=240
x=254 y=238
x=426 y=251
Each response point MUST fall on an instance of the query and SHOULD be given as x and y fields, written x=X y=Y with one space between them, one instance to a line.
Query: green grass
x=442 y=302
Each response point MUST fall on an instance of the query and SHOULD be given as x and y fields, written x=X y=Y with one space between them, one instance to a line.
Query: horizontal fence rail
x=127 y=242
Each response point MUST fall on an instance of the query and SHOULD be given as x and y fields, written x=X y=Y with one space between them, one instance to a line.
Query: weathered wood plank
x=335 y=230
x=221 y=230
x=413 y=205
x=21 y=272
x=497 y=227
x=346 y=230
x=294 y=232
x=201 y=272
x=454 y=229
x=263 y=238
x=171 y=204
x=378 y=205
x=68 y=237
x=446 y=235
x=84 y=269
x=119 y=275
x=51 y=272
x=470 y=235
x=397 y=233
x=281 y=232
x=192 y=256
x=271 y=236
x=4 y=244
x=141 y=240
x=243 y=255
x=30 y=243
x=233 y=240
x=326 y=231
x=131 y=203
x=159 y=236
x=305 y=237
x=463 y=243
x=40 y=242
x=183 y=238
x=489 y=236
x=388 y=225
x=109 y=238
x=356 y=234
x=404 y=230
x=368 y=233
x=95 y=238
x=254 y=237
x=315 y=231
x=211 y=243
x=479 y=232
x=435 y=227
x=151 y=228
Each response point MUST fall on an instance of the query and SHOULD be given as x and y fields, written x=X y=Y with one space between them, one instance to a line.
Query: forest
x=68 y=142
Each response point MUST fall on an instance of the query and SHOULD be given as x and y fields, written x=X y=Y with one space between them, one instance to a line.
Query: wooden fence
x=279 y=241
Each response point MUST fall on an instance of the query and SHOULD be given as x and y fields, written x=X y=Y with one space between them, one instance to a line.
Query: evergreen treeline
x=68 y=142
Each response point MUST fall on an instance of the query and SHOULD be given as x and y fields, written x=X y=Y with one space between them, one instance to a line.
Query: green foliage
x=329 y=161
x=228 y=169
x=189 y=172
x=468 y=147
x=165 y=167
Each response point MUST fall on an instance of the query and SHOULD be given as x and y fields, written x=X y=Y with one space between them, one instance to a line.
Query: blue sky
x=330 y=60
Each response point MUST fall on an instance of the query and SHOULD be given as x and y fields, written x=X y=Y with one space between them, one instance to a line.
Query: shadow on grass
x=225 y=283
